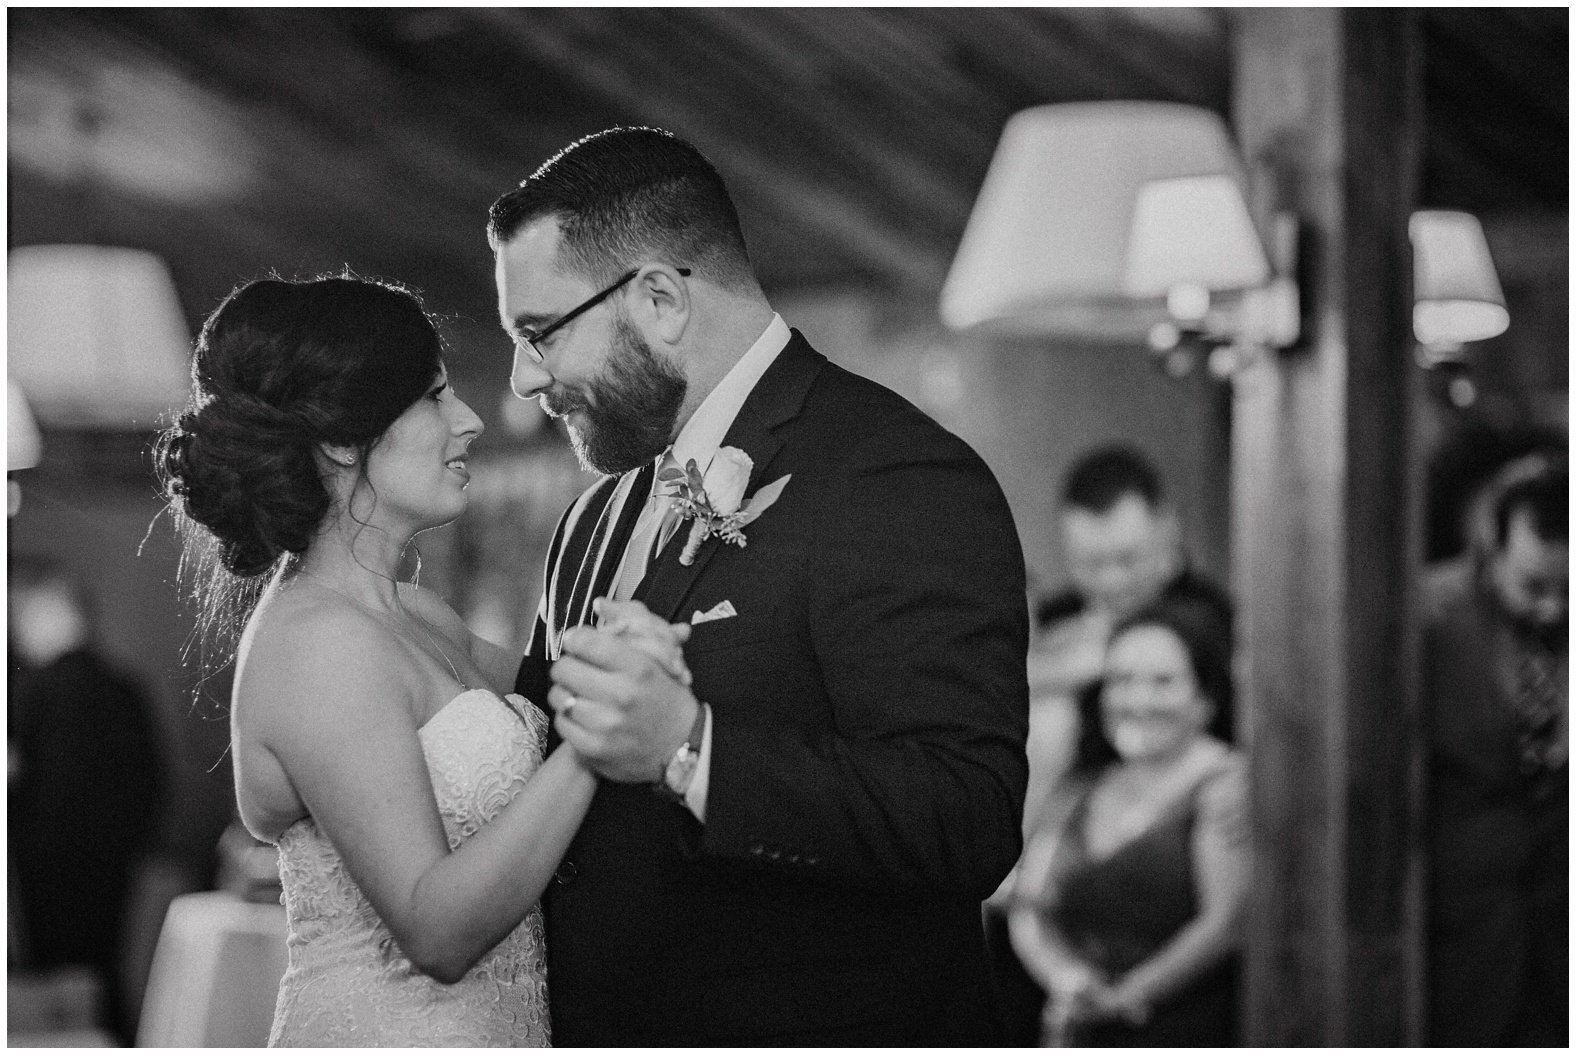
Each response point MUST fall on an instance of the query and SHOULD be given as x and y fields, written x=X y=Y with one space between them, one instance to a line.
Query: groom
x=792 y=843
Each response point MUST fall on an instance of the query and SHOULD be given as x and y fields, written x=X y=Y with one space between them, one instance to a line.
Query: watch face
x=681 y=769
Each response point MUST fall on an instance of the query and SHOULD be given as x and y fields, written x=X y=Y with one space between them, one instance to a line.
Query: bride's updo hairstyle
x=280 y=368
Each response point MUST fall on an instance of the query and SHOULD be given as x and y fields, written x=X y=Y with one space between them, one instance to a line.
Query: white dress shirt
x=699 y=439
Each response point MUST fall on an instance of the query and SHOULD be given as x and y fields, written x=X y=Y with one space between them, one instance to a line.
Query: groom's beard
x=629 y=410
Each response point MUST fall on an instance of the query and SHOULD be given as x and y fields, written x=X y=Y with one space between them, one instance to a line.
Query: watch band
x=677 y=775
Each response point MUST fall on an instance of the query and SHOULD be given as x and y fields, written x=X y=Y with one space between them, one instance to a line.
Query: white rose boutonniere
x=726 y=478
x=715 y=502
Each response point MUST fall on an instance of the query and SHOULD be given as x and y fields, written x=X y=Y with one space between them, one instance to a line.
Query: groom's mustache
x=560 y=400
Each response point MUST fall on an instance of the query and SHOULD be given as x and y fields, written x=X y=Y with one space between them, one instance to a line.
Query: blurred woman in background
x=375 y=738
x=1130 y=892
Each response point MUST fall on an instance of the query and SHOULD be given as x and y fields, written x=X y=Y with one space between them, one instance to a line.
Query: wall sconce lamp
x=96 y=336
x=23 y=444
x=1456 y=292
x=1125 y=221
x=1182 y=225
x=1456 y=297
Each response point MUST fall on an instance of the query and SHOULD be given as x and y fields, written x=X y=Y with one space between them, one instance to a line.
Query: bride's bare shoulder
x=300 y=652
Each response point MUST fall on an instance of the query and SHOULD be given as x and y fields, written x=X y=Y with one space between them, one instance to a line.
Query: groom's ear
x=664 y=303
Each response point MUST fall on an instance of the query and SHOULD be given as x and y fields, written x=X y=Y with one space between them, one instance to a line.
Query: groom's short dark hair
x=625 y=196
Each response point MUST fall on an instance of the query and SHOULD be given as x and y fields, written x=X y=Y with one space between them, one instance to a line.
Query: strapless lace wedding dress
x=347 y=983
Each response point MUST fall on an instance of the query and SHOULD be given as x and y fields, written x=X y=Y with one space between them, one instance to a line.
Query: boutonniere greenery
x=714 y=502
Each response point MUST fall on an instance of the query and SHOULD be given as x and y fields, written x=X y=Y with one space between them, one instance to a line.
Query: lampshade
x=96 y=336
x=1089 y=207
x=23 y=446
x=1456 y=292
x=1192 y=231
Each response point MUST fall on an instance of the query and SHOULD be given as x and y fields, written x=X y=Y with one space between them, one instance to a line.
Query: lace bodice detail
x=347 y=982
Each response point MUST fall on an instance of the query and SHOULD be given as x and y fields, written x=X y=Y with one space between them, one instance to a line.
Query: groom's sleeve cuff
x=695 y=797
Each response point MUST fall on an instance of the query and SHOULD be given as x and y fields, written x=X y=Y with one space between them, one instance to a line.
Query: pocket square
x=722 y=610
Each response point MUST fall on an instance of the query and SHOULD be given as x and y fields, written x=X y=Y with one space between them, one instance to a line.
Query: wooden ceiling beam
x=1507 y=64
x=1052 y=64
x=1186 y=69
x=764 y=178
x=323 y=149
x=856 y=139
x=902 y=75
x=903 y=57
x=892 y=171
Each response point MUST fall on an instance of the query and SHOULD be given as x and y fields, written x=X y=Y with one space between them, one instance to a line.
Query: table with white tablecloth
x=215 y=973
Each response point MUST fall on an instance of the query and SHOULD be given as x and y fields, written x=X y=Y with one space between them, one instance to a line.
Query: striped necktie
x=652 y=531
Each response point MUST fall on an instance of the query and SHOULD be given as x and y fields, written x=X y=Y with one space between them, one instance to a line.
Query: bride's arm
x=342 y=725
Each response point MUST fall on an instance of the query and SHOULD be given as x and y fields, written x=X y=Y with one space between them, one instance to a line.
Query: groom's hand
x=622 y=709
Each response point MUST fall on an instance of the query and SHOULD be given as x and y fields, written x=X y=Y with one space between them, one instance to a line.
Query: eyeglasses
x=576 y=312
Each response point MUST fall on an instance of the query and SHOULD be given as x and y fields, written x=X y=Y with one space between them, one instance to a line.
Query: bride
x=374 y=738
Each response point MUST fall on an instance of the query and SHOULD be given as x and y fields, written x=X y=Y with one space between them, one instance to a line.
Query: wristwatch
x=679 y=773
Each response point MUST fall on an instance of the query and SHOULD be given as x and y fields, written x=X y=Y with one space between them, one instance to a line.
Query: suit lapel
x=776 y=399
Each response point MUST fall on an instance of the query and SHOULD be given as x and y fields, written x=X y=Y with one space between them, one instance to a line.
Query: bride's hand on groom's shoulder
x=622 y=692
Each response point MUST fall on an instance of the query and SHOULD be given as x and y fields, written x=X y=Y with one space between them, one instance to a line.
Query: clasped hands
x=621 y=691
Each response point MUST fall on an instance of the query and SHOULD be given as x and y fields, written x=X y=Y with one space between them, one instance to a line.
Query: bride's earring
x=345 y=457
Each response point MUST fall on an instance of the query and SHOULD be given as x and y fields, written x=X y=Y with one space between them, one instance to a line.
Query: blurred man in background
x=1496 y=686
x=86 y=785
x=1122 y=542
x=1123 y=546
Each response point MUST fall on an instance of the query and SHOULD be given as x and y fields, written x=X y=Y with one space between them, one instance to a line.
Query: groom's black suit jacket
x=869 y=705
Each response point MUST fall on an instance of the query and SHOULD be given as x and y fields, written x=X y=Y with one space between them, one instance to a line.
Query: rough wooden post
x=1325 y=533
